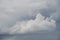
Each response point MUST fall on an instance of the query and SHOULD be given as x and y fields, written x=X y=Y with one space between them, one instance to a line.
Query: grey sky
x=27 y=16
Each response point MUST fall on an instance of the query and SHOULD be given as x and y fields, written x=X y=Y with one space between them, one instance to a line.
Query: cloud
x=12 y=11
x=40 y=23
x=27 y=16
x=15 y=14
x=33 y=36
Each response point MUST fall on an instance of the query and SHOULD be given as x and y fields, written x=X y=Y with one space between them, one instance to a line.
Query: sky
x=29 y=16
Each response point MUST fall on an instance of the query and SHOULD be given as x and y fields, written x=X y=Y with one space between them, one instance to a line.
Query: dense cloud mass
x=18 y=16
x=38 y=24
x=29 y=19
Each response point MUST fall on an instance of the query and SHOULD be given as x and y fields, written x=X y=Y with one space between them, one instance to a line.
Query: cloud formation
x=28 y=15
x=40 y=23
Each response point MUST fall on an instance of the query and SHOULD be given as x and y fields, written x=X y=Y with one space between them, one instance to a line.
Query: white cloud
x=40 y=23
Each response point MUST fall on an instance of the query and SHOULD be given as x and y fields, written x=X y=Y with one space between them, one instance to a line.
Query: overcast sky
x=29 y=16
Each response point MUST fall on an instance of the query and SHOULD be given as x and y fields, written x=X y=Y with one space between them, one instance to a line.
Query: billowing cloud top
x=40 y=23
x=22 y=16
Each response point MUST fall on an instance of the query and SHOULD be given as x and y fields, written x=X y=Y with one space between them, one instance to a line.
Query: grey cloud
x=32 y=36
x=15 y=14
x=13 y=11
